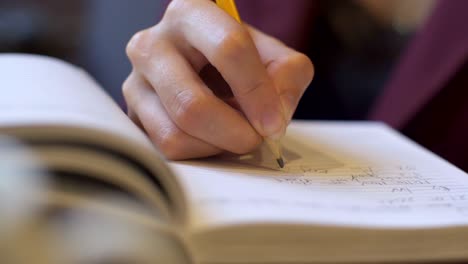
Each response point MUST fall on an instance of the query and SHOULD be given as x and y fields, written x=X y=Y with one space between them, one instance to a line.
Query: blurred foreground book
x=43 y=224
x=350 y=192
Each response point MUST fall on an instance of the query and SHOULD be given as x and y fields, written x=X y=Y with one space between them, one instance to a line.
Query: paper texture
x=358 y=174
x=55 y=103
x=44 y=91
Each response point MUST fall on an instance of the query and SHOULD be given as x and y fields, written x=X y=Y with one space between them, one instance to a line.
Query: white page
x=37 y=90
x=46 y=98
x=358 y=174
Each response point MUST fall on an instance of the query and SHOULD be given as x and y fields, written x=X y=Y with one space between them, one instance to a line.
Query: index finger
x=228 y=46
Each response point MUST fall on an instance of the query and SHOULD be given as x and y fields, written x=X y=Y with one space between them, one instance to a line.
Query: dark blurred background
x=353 y=44
x=92 y=34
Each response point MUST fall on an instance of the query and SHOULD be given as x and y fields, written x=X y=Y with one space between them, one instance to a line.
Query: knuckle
x=170 y=142
x=127 y=89
x=174 y=8
x=177 y=10
x=138 y=45
x=233 y=44
x=188 y=109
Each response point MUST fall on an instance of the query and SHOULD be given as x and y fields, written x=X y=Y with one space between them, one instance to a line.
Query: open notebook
x=350 y=192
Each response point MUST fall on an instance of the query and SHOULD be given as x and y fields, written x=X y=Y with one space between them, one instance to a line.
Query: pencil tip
x=280 y=162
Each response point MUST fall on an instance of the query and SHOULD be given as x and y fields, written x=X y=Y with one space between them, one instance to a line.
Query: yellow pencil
x=229 y=6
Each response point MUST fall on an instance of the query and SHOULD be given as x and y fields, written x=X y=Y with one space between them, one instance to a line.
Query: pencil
x=229 y=6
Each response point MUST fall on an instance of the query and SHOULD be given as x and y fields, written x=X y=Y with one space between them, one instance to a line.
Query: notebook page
x=50 y=100
x=359 y=174
x=38 y=90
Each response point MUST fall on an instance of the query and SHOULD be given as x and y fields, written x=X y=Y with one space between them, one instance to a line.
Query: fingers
x=146 y=110
x=290 y=70
x=191 y=106
x=227 y=45
x=183 y=117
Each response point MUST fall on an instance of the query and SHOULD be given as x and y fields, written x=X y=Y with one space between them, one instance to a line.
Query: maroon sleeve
x=427 y=96
x=433 y=57
x=287 y=20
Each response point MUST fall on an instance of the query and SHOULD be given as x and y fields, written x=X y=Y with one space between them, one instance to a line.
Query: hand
x=173 y=92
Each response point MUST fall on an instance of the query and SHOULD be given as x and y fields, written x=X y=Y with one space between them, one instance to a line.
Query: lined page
x=358 y=174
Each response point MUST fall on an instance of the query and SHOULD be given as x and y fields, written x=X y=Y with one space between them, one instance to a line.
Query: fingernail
x=273 y=123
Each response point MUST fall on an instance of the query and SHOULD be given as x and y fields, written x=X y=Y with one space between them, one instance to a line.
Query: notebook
x=351 y=192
